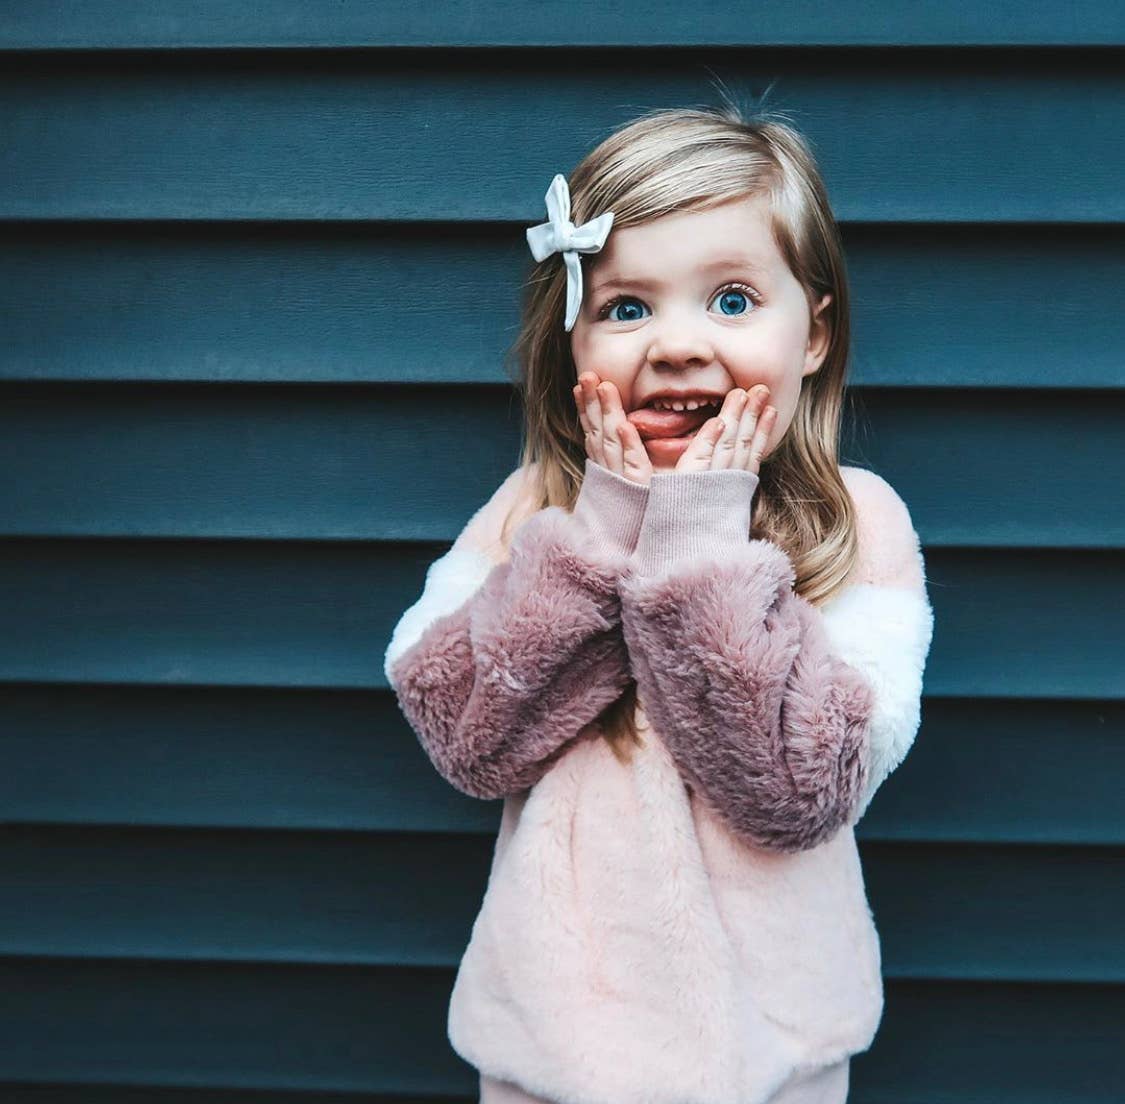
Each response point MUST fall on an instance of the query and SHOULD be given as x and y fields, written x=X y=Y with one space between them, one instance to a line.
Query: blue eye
x=613 y=304
x=734 y=301
x=732 y=297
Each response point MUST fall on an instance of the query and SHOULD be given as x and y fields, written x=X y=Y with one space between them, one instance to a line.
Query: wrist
x=611 y=507
x=694 y=515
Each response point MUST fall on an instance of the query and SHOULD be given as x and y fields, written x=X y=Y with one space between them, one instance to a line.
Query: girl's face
x=697 y=301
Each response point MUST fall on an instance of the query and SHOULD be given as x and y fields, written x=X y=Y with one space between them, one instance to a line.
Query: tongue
x=668 y=423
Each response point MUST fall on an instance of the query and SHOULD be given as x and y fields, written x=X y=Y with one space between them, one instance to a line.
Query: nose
x=679 y=343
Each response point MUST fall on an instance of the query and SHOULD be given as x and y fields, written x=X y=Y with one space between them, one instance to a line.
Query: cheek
x=783 y=395
x=591 y=355
x=604 y=358
x=786 y=408
x=578 y=349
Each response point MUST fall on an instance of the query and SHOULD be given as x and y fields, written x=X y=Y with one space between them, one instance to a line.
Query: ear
x=820 y=333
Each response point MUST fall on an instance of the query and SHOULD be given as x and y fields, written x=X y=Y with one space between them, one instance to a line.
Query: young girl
x=681 y=642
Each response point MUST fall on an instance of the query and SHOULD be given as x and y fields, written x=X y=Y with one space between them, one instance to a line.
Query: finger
x=636 y=464
x=580 y=403
x=722 y=451
x=700 y=455
x=588 y=436
x=747 y=426
x=697 y=456
x=589 y=382
x=761 y=436
x=587 y=429
x=612 y=415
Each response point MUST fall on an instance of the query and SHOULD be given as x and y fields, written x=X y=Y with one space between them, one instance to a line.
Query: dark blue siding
x=259 y=272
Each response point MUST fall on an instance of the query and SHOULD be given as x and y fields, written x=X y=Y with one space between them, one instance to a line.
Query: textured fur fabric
x=690 y=927
x=631 y=948
x=885 y=633
x=759 y=715
x=882 y=623
x=498 y=687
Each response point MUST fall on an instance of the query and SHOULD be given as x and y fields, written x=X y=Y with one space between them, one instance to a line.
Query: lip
x=667 y=450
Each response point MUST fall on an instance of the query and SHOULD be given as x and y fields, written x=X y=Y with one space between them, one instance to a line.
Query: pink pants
x=826 y=1086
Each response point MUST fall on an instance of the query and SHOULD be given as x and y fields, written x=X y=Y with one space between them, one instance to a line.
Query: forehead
x=738 y=230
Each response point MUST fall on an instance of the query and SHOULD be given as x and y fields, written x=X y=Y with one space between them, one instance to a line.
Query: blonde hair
x=690 y=159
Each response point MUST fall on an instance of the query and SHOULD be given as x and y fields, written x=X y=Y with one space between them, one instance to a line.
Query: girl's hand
x=736 y=438
x=611 y=439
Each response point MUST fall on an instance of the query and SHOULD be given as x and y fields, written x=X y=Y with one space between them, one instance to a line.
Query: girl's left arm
x=745 y=680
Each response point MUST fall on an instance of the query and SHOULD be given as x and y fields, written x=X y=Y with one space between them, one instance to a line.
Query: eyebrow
x=744 y=263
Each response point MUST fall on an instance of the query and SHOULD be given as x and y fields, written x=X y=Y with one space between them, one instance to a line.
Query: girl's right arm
x=499 y=665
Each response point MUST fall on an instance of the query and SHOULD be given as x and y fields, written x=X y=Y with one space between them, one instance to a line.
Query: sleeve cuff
x=611 y=507
x=694 y=515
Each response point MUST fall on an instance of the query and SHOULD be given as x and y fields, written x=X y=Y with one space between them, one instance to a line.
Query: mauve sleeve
x=735 y=669
x=499 y=666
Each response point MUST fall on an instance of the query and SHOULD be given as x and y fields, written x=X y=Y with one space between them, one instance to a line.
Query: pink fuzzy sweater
x=691 y=927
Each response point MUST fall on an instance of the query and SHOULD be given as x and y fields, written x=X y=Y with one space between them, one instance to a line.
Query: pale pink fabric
x=631 y=948
x=822 y=1086
x=635 y=944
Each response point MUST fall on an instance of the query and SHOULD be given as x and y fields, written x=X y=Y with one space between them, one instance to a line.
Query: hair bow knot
x=560 y=235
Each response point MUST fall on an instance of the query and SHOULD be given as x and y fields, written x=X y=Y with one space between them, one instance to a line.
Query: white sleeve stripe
x=885 y=633
x=451 y=580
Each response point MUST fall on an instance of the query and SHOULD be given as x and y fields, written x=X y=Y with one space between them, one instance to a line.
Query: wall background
x=258 y=272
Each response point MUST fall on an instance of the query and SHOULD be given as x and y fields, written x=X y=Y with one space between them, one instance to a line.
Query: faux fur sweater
x=691 y=927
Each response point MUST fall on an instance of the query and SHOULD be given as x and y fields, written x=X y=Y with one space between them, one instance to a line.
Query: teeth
x=690 y=404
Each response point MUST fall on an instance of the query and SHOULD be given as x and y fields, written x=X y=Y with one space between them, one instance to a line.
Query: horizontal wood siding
x=259 y=274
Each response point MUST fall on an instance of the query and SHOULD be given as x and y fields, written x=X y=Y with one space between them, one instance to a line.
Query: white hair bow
x=560 y=235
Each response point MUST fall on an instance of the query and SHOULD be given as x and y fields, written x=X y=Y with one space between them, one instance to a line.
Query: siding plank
x=226 y=613
x=1002 y=771
x=355 y=1029
x=933 y=306
x=946 y=136
x=27 y=1092
x=978 y=468
x=172 y=24
x=355 y=899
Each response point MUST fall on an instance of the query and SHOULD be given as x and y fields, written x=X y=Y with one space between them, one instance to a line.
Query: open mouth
x=659 y=419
